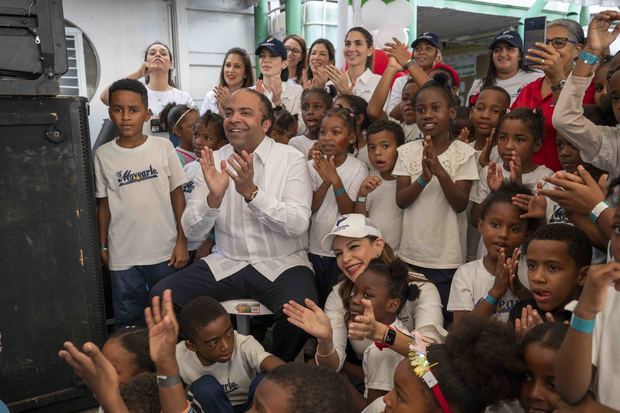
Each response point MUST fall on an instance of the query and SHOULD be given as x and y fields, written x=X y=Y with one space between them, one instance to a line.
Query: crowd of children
x=457 y=269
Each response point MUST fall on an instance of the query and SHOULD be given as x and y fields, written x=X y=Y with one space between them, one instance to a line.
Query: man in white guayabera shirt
x=256 y=194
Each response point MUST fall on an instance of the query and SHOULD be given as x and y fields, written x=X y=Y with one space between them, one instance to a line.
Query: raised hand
x=577 y=194
x=599 y=37
x=243 y=175
x=275 y=86
x=594 y=293
x=516 y=169
x=326 y=168
x=368 y=185
x=463 y=135
x=216 y=181
x=430 y=156
x=530 y=318
x=535 y=206
x=144 y=70
x=319 y=77
x=364 y=326
x=485 y=155
x=260 y=86
x=339 y=78
x=398 y=51
x=97 y=372
x=311 y=319
x=221 y=93
x=495 y=176
x=547 y=59
x=163 y=329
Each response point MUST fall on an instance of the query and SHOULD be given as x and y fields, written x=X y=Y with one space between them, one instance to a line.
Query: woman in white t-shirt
x=236 y=73
x=355 y=241
x=358 y=79
x=157 y=73
x=506 y=68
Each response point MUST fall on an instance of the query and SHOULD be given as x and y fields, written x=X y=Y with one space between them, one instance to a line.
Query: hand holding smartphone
x=535 y=32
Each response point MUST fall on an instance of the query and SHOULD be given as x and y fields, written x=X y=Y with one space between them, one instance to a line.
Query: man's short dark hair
x=312 y=388
x=198 y=313
x=266 y=105
x=132 y=86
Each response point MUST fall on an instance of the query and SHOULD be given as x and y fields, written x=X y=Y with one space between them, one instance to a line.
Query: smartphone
x=535 y=32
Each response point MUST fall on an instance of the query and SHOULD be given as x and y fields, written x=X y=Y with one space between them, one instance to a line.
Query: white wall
x=120 y=30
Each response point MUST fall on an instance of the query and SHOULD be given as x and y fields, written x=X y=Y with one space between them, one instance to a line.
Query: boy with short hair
x=376 y=195
x=558 y=257
x=138 y=182
x=220 y=366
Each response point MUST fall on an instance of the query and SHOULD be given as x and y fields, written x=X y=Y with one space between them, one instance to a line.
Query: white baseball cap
x=351 y=226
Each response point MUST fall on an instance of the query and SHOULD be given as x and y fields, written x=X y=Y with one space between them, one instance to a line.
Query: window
x=82 y=75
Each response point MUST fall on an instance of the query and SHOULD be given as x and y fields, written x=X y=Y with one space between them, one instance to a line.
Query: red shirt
x=530 y=97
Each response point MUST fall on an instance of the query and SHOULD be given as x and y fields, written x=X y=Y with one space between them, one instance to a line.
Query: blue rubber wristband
x=339 y=191
x=490 y=299
x=421 y=181
x=588 y=58
x=581 y=325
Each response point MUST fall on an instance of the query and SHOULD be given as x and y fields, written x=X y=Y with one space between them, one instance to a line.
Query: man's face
x=243 y=120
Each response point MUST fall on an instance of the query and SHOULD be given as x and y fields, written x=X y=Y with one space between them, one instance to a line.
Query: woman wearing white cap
x=356 y=241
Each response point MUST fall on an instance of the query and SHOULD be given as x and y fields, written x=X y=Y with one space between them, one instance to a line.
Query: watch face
x=390 y=337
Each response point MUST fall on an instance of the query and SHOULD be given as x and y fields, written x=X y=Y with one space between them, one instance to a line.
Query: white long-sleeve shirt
x=270 y=232
x=598 y=145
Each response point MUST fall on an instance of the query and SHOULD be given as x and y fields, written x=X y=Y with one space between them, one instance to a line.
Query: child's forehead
x=215 y=328
x=515 y=126
x=381 y=136
x=123 y=97
x=549 y=249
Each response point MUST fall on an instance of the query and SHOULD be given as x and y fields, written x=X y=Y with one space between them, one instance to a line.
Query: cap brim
x=435 y=45
x=510 y=42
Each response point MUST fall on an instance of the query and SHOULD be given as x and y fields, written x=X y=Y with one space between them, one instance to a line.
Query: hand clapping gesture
x=243 y=175
x=326 y=168
x=368 y=185
x=217 y=181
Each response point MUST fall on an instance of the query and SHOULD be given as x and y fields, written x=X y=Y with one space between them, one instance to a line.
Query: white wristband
x=598 y=210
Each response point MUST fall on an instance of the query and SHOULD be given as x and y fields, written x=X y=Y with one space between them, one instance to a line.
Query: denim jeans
x=209 y=396
x=130 y=290
x=326 y=272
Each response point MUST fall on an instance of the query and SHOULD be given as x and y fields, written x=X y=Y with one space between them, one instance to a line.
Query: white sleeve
x=209 y=103
x=356 y=183
x=176 y=173
x=474 y=89
x=480 y=188
x=253 y=352
x=101 y=187
x=426 y=310
x=198 y=219
x=396 y=94
x=334 y=310
x=461 y=292
x=288 y=213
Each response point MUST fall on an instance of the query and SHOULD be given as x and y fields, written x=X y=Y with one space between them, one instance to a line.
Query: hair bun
x=413 y=292
x=442 y=78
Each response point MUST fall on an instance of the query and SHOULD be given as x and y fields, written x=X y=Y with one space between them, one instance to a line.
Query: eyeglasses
x=560 y=42
x=293 y=50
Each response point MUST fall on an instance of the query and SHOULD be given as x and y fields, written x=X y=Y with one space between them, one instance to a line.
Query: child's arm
x=599 y=238
x=318 y=196
x=270 y=362
x=573 y=362
x=407 y=192
x=180 y=255
x=98 y=374
x=399 y=51
x=103 y=219
x=505 y=272
x=138 y=74
x=381 y=92
x=327 y=170
x=370 y=184
x=457 y=193
x=163 y=333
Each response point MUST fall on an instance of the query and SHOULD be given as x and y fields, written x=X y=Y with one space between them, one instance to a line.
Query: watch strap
x=168 y=381
x=409 y=63
x=588 y=58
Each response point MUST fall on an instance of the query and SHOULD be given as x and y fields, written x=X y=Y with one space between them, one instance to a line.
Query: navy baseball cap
x=274 y=46
x=430 y=37
x=508 y=36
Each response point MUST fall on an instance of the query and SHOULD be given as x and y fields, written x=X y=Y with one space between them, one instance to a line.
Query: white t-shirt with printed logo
x=352 y=173
x=234 y=376
x=470 y=284
x=137 y=182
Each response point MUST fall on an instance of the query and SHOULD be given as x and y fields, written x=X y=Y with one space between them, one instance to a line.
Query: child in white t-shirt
x=434 y=178
x=221 y=367
x=140 y=202
x=336 y=178
x=377 y=196
x=314 y=103
x=489 y=286
x=386 y=288
x=358 y=107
